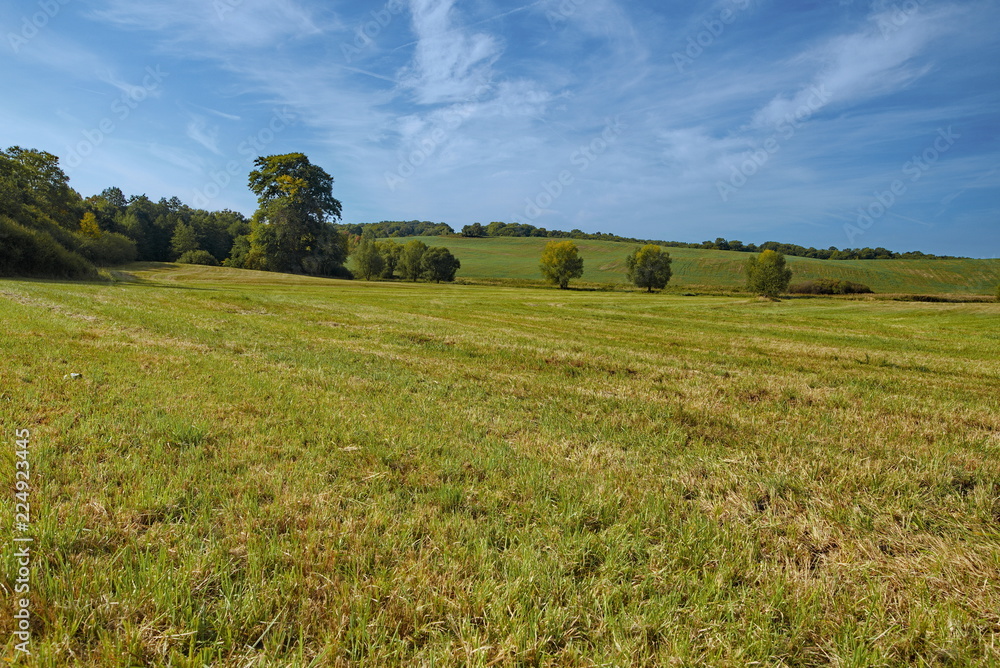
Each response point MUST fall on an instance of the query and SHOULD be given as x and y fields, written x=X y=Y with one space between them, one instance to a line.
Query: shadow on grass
x=112 y=277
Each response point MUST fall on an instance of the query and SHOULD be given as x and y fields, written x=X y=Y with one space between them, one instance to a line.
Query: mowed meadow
x=268 y=470
x=516 y=258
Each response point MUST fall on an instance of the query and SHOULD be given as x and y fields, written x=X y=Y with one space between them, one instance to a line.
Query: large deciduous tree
x=561 y=262
x=649 y=267
x=410 y=265
x=439 y=264
x=767 y=274
x=291 y=230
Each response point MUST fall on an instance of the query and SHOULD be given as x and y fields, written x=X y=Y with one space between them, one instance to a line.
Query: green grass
x=259 y=469
x=696 y=269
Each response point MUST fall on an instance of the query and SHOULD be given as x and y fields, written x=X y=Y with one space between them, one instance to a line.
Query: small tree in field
x=561 y=262
x=767 y=274
x=649 y=267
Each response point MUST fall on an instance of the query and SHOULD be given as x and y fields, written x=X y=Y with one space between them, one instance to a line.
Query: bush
x=29 y=252
x=828 y=286
x=198 y=257
x=109 y=249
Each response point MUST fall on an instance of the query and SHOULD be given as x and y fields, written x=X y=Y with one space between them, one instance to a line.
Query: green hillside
x=604 y=262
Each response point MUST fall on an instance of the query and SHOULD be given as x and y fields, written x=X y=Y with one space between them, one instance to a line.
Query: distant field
x=267 y=470
x=604 y=262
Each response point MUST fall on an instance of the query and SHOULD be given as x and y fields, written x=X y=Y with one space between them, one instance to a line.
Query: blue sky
x=819 y=123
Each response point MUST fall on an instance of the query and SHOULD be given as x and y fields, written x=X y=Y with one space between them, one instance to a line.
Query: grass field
x=694 y=269
x=266 y=470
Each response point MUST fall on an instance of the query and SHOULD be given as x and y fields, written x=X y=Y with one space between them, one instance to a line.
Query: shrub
x=109 y=249
x=30 y=252
x=828 y=286
x=198 y=257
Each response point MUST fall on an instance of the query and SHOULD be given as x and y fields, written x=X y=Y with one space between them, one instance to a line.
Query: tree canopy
x=292 y=179
x=767 y=274
x=561 y=262
x=368 y=262
x=410 y=261
x=439 y=264
x=649 y=267
x=291 y=230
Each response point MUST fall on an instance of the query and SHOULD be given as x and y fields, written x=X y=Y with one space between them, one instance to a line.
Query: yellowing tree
x=89 y=227
x=767 y=274
x=649 y=267
x=561 y=261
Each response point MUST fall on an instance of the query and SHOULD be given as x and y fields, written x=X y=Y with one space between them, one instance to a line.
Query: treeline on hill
x=415 y=228
x=498 y=229
x=397 y=228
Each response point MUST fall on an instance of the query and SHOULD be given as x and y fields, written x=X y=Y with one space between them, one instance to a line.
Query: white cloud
x=874 y=61
x=178 y=157
x=450 y=63
x=199 y=131
x=210 y=25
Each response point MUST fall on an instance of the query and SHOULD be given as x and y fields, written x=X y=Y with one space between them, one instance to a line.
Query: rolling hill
x=604 y=262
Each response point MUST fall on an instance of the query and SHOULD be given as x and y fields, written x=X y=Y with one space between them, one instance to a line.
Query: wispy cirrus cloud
x=244 y=24
x=869 y=62
x=449 y=63
x=483 y=103
x=199 y=130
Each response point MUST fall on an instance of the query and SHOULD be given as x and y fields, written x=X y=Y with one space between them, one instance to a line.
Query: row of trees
x=397 y=228
x=831 y=253
x=414 y=261
x=648 y=267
